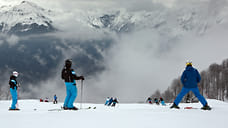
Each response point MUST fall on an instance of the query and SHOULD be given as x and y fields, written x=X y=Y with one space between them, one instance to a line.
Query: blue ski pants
x=163 y=103
x=107 y=101
x=71 y=91
x=196 y=92
x=14 y=97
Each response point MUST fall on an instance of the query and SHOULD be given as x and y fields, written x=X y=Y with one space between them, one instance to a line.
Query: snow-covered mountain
x=28 y=17
x=195 y=17
x=177 y=20
x=25 y=18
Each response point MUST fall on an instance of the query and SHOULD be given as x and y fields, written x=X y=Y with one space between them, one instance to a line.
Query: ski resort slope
x=34 y=114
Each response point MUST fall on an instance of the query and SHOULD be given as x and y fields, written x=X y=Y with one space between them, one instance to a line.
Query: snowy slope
x=123 y=116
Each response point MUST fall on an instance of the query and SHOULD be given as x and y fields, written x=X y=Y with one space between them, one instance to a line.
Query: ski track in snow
x=122 y=116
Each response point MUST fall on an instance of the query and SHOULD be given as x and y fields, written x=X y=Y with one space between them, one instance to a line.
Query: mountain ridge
x=177 y=20
x=24 y=17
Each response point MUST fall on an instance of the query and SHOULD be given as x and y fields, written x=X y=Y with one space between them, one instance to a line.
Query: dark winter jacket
x=115 y=101
x=69 y=75
x=13 y=82
x=149 y=99
x=190 y=77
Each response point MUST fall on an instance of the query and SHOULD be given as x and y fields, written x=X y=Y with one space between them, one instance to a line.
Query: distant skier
x=162 y=101
x=13 y=90
x=149 y=100
x=55 y=99
x=46 y=100
x=70 y=77
x=110 y=101
x=187 y=100
x=114 y=102
x=107 y=101
x=156 y=101
x=190 y=79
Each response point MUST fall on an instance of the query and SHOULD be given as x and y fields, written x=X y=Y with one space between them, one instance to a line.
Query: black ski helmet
x=68 y=63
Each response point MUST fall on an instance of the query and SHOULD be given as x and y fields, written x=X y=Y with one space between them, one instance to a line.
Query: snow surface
x=35 y=114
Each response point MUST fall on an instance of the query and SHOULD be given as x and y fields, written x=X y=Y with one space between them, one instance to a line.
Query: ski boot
x=15 y=109
x=206 y=107
x=175 y=106
x=65 y=108
x=74 y=108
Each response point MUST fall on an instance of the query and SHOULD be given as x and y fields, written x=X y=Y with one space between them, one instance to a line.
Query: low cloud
x=1 y=42
x=12 y=40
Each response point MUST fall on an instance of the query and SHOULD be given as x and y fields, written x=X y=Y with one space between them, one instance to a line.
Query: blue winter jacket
x=190 y=77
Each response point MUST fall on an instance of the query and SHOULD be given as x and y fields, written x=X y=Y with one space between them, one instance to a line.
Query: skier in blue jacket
x=13 y=90
x=70 y=77
x=55 y=99
x=190 y=79
x=162 y=101
x=107 y=101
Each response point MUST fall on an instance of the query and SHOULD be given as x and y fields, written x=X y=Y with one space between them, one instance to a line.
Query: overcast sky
x=93 y=4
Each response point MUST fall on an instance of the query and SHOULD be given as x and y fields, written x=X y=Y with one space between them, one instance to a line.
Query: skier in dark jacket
x=149 y=100
x=114 y=102
x=156 y=101
x=70 y=77
x=110 y=101
x=13 y=90
x=190 y=79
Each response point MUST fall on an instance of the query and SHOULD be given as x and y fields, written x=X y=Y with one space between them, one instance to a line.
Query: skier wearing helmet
x=13 y=89
x=190 y=79
x=70 y=77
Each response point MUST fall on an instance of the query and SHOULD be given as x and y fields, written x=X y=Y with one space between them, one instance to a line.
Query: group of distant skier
x=156 y=101
x=44 y=100
x=111 y=102
x=47 y=100
x=190 y=79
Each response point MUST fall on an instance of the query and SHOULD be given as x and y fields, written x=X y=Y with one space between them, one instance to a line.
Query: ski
x=197 y=108
x=55 y=109
x=61 y=109
x=190 y=108
x=89 y=108
x=17 y=109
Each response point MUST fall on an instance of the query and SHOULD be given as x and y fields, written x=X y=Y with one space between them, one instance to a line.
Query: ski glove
x=82 y=78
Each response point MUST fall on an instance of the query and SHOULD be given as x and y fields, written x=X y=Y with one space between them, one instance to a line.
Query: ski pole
x=81 y=93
